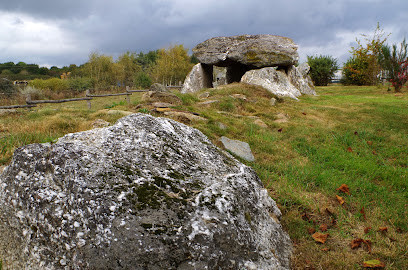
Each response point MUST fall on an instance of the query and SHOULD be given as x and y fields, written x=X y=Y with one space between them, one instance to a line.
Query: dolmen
x=265 y=60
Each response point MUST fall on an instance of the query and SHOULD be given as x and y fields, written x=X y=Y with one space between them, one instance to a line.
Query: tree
x=363 y=67
x=147 y=60
x=142 y=80
x=172 y=65
x=395 y=64
x=322 y=69
x=128 y=67
x=102 y=70
x=7 y=88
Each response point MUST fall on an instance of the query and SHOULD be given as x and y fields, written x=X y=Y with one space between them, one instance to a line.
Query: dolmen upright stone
x=145 y=193
x=245 y=53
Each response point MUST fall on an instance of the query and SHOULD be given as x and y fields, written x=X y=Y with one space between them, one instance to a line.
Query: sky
x=64 y=32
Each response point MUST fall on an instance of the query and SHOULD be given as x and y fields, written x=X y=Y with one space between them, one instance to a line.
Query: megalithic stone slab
x=200 y=76
x=250 y=50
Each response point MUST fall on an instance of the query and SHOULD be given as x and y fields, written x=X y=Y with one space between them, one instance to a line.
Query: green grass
x=346 y=135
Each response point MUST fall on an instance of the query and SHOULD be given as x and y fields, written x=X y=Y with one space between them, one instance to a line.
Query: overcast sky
x=63 y=32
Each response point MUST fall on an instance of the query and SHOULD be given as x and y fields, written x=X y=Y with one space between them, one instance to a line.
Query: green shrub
x=355 y=72
x=7 y=88
x=142 y=80
x=393 y=61
x=322 y=69
x=53 y=84
x=80 y=84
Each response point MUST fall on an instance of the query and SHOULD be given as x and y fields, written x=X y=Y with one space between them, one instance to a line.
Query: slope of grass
x=356 y=136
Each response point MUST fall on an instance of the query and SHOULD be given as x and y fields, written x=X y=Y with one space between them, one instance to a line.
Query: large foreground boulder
x=249 y=50
x=145 y=193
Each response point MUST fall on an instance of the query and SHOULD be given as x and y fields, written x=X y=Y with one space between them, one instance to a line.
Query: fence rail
x=30 y=102
x=88 y=97
x=17 y=106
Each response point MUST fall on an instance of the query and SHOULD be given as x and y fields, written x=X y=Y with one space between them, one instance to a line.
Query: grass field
x=357 y=136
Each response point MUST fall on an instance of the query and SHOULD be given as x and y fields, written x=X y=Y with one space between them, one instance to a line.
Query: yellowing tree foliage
x=102 y=70
x=128 y=67
x=363 y=67
x=172 y=66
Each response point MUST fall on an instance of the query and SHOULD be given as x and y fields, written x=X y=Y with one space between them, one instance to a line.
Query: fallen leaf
x=344 y=188
x=311 y=230
x=340 y=199
x=325 y=249
x=303 y=113
x=383 y=229
x=356 y=243
x=399 y=230
x=320 y=237
x=349 y=150
x=369 y=142
x=373 y=264
x=323 y=227
x=362 y=211
x=392 y=239
x=280 y=130
x=374 y=153
x=305 y=216
x=367 y=229
x=368 y=244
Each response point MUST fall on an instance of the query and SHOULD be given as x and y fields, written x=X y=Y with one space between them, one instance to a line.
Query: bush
x=355 y=72
x=363 y=67
x=80 y=84
x=54 y=84
x=322 y=69
x=142 y=80
x=395 y=63
x=7 y=88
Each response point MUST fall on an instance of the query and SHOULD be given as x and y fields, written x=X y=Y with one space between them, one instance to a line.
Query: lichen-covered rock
x=304 y=69
x=299 y=77
x=241 y=149
x=275 y=81
x=157 y=87
x=158 y=96
x=249 y=50
x=145 y=193
x=199 y=77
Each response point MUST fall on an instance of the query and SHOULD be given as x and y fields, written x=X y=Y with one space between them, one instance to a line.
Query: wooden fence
x=88 y=97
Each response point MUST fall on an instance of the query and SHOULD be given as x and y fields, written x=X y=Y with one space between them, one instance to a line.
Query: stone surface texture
x=300 y=78
x=275 y=81
x=197 y=79
x=157 y=87
x=249 y=50
x=304 y=69
x=241 y=149
x=145 y=193
x=158 y=96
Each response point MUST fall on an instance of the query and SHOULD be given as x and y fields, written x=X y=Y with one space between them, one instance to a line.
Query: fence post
x=28 y=99
x=88 y=93
x=128 y=95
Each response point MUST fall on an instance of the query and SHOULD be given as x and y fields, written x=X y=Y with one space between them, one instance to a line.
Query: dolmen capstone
x=270 y=61
x=145 y=193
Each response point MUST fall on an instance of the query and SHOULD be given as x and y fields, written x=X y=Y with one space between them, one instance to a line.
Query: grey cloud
x=114 y=27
